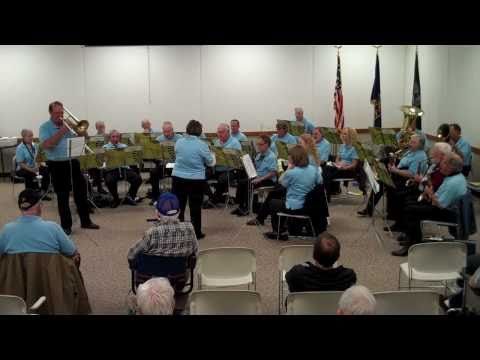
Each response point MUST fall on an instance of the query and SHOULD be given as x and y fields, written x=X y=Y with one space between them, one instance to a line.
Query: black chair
x=178 y=270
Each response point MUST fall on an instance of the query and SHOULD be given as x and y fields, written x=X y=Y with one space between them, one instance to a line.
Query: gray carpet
x=107 y=277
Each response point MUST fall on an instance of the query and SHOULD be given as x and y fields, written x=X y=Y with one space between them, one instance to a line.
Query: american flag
x=338 y=99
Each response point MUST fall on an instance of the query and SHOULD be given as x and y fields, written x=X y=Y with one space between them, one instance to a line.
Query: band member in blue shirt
x=300 y=119
x=112 y=176
x=192 y=156
x=27 y=167
x=66 y=174
x=324 y=148
x=266 y=167
x=439 y=204
x=147 y=126
x=235 y=130
x=159 y=172
x=461 y=147
x=282 y=135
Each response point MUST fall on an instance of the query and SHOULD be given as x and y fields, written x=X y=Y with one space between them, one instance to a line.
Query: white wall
x=256 y=84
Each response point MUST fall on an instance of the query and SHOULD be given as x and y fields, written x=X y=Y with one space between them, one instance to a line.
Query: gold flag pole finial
x=338 y=47
x=377 y=47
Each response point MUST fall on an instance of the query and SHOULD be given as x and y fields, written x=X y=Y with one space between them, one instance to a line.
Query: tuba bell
x=78 y=127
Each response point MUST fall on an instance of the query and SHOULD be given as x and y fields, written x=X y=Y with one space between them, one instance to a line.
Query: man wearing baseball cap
x=168 y=236
x=29 y=233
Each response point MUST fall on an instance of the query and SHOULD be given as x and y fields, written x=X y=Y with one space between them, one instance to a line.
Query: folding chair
x=14 y=305
x=433 y=262
x=225 y=302
x=313 y=303
x=407 y=303
x=289 y=257
x=13 y=175
x=226 y=267
x=296 y=217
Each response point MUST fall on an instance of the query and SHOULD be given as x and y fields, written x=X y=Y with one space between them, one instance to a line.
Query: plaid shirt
x=167 y=237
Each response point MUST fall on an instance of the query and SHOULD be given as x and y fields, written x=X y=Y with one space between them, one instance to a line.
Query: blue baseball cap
x=168 y=204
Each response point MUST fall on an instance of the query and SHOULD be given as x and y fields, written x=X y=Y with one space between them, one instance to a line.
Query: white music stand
x=251 y=174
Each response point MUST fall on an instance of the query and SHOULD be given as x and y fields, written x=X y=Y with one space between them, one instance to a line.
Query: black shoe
x=102 y=191
x=45 y=197
x=129 y=201
x=68 y=231
x=91 y=226
x=115 y=203
x=271 y=235
x=364 y=213
x=237 y=211
x=255 y=221
x=404 y=243
x=243 y=212
x=200 y=236
x=394 y=228
x=151 y=202
x=208 y=205
x=401 y=252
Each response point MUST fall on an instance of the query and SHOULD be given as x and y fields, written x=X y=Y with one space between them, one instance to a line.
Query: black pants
x=192 y=191
x=331 y=173
x=278 y=205
x=414 y=214
x=96 y=175
x=66 y=174
x=241 y=197
x=113 y=176
x=156 y=174
x=466 y=170
x=30 y=178
x=396 y=197
x=224 y=178
x=278 y=193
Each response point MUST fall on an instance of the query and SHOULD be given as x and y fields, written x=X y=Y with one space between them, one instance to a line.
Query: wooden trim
x=475 y=150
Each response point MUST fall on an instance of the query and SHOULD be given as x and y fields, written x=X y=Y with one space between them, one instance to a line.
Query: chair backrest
x=293 y=255
x=226 y=262
x=465 y=217
x=438 y=257
x=225 y=302
x=12 y=305
x=407 y=303
x=313 y=303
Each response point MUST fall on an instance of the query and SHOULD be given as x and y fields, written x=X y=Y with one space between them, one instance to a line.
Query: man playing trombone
x=65 y=172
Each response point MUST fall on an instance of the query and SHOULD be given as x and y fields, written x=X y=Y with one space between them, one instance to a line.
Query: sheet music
x=75 y=147
x=249 y=167
x=371 y=177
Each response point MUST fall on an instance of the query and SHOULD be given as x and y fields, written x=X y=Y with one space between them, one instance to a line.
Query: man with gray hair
x=301 y=120
x=100 y=126
x=357 y=300
x=438 y=205
x=155 y=297
x=146 y=126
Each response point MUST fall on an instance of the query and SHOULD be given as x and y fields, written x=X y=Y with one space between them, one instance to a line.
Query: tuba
x=78 y=127
x=410 y=115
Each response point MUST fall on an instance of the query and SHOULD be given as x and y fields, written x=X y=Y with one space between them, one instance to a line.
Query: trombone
x=76 y=127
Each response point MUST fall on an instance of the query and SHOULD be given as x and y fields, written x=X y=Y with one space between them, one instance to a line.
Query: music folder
x=249 y=167
x=75 y=147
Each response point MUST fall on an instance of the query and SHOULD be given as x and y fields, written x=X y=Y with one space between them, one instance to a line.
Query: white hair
x=99 y=123
x=299 y=109
x=156 y=297
x=455 y=161
x=357 y=300
x=224 y=126
x=442 y=147
x=145 y=121
x=25 y=132
x=167 y=123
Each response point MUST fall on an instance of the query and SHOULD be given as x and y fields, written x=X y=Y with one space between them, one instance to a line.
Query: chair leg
x=311 y=226
x=280 y=292
x=278 y=228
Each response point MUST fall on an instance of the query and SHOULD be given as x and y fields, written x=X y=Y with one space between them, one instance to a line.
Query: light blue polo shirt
x=308 y=125
x=32 y=234
x=324 y=149
x=452 y=188
x=239 y=136
x=231 y=143
x=174 y=138
x=414 y=161
x=466 y=150
x=59 y=152
x=266 y=163
x=287 y=139
x=192 y=155
x=347 y=154
x=299 y=181
x=23 y=155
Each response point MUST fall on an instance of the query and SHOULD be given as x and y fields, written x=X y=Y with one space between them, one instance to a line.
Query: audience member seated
x=301 y=120
x=322 y=274
x=168 y=237
x=461 y=147
x=299 y=179
x=347 y=164
x=282 y=135
x=236 y=133
x=27 y=166
x=412 y=163
x=223 y=174
x=357 y=300
x=266 y=167
x=472 y=270
x=112 y=176
x=154 y=297
x=147 y=126
x=324 y=148
x=159 y=172
x=438 y=205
